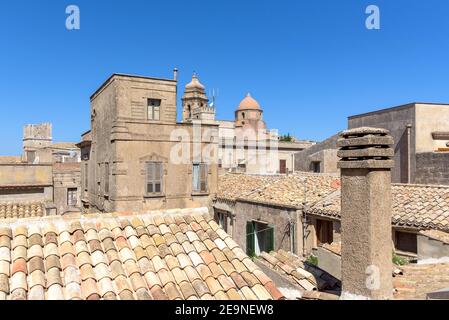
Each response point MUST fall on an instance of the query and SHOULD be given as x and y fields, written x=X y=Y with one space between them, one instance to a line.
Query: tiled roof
x=300 y=272
x=334 y=247
x=292 y=190
x=437 y=235
x=416 y=281
x=178 y=254
x=414 y=206
x=21 y=210
x=232 y=185
x=421 y=206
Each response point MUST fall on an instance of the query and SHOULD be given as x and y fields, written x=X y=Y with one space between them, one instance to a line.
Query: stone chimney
x=366 y=162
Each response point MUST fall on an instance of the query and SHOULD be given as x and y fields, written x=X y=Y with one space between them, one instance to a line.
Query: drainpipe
x=409 y=156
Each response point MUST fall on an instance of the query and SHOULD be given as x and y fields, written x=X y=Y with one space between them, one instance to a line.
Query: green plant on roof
x=399 y=261
x=313 y=260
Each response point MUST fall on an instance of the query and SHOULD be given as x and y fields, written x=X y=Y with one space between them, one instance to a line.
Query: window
x=106 y=177
x=31 y=156
x=199 y=177
x=222 y=220
x=259 y=238
x=324 y=231
x=71 y=196
x=243 y=115
x=406 y=242
x=98 y=179
x=154 y=176
x=86 y=176
x=154 y=109
x=316 y=166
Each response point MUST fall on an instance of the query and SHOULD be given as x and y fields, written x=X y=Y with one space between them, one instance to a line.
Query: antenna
x=214 y=95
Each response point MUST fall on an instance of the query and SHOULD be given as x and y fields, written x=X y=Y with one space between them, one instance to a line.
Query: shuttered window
x=250 y=239
x=259 y=238
x=154 y=109
x=106 y=177
x=72 y=196
x=199 y=174
x=154 y=176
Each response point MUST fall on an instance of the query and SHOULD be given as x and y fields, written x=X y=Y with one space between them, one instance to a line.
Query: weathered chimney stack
x=175 y=74
x=366 y=162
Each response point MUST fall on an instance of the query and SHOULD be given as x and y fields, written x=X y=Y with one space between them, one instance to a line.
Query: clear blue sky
x=310 y=64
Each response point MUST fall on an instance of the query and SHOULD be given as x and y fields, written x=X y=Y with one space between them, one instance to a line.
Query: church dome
x=249 y=104
x=195 y=83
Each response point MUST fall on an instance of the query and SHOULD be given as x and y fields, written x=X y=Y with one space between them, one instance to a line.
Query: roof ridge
x=94 y=217
x=420 y=185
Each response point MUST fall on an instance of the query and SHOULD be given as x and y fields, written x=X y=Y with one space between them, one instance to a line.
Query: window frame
x=70 y=193
x=152 y=180
x=106 y=178
x=203 y=177
x=152 y=108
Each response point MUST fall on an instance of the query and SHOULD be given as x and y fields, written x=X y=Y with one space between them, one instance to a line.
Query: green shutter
x=250 y=250
x=270 y=239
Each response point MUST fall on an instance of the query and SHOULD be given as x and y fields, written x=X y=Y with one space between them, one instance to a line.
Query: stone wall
x=124 y=139
x=274 y=216
x=395 y=120
x=65 y=176
x=429 y=248
x=432 y=168
x=325 y=152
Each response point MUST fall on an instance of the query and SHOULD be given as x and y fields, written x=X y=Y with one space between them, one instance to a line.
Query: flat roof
x=130 y=76
x=403 y=106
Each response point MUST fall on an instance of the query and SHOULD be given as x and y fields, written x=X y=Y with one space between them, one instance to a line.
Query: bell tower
x=195 y=104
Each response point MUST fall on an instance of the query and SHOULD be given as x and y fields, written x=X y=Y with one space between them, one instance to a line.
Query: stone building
x=35 y=180
x=319 y=158
x=245 y=144
x=303 y=213
x=138 y=157
x=421 y=134
x=67 y=187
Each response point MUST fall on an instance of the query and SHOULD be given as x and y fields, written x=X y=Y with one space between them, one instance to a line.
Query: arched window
x=189 y=109
x=243 y=115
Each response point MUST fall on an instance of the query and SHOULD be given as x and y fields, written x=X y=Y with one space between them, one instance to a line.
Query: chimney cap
x=363 y=131
x=365 y=147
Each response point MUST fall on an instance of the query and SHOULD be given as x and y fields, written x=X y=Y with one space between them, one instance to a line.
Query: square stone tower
x=37 y=138
x=366 y=213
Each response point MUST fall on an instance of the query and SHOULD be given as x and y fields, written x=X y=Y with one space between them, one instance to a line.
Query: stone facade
x=321 y=157
x=133 y=125
x=245 y=144
x=432 y=168
x=416 y=128
x=67 y=187
x=37 y=175
x=283 y=220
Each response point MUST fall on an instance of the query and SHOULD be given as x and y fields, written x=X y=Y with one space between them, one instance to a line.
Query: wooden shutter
x=270 y=239
x=203 y=177
x=154 y=176
x=250 y=245
x=158 y=178
x=106 y=177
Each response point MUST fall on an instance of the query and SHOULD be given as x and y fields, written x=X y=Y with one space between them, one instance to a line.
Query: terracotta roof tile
x=294 y=269
x=73 y=258
x=21 y=210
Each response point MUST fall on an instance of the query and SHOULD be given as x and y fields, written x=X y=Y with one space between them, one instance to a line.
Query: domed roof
x=249 y=104
x=195 y=83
